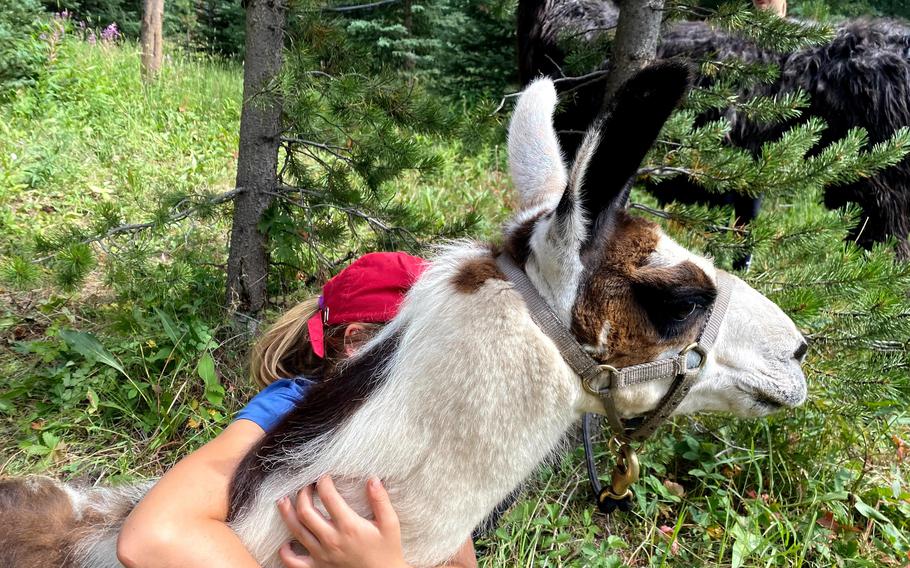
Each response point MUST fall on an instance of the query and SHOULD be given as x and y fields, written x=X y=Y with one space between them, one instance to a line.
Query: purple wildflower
x=91 y=37
x=110 y=33
x=64 y=15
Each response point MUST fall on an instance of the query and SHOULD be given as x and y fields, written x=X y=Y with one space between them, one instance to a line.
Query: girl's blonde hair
x=779 y=7
x=284 y=350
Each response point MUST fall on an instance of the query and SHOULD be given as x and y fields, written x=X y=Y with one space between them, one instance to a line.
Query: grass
x=92 y=132
x=813 y=487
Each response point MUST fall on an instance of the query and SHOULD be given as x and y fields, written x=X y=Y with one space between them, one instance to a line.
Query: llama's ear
x=618 y=141
x=535 y=161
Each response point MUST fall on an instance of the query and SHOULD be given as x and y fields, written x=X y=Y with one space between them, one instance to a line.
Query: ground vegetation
x=117 y=356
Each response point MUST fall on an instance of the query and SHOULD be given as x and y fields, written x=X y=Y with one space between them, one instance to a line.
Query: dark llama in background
x=861 y=78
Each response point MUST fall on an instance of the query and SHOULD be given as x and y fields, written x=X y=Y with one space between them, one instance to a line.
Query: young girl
x=181 y=522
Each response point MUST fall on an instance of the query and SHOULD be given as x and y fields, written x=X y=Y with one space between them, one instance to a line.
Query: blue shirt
x=274 y=401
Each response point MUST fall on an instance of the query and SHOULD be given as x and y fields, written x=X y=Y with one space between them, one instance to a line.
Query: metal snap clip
x=625 y=473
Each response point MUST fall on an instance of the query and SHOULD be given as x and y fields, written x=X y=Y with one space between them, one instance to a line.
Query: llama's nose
x=801 y=351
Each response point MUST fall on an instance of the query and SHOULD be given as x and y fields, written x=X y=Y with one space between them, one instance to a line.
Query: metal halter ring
x=684 y=357
x=604 y=369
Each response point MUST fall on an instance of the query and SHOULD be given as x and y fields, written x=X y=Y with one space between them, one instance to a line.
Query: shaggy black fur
x=860 y=79
x=328 y=404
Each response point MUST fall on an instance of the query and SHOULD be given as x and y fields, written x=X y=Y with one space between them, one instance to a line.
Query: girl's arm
x=465 y=557
x=181 y=522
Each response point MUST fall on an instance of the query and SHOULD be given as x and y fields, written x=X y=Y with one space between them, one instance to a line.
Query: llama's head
x=631 y=293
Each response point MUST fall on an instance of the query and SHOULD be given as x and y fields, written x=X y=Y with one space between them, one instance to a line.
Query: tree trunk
x=151 y=37
x=408 y=23
x=635 y=45
x=257 y=161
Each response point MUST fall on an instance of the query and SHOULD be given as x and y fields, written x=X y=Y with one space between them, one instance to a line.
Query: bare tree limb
x=376 y=224
x=330 y=148
x=592 y=76
x=666 y=170
x=590 y=30
x=355 y=7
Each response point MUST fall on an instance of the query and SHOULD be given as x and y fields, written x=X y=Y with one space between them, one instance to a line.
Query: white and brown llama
x=462 y=396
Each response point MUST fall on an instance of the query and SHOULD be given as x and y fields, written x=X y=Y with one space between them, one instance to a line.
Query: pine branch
x=767 y=29
x=685 y=220
x=133 y=228
x=375 y=223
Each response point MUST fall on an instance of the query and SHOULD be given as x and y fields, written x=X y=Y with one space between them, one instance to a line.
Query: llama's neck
x=475 y=399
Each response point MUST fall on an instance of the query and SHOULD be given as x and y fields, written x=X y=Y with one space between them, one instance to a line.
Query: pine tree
x=352 y=125
x=355 y=124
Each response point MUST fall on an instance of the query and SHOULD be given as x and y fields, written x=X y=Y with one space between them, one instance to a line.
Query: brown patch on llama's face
x=37 y=519
x=474 y=273
x=630 y=312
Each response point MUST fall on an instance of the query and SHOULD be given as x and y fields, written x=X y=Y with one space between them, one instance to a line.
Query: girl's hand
x=345 y=539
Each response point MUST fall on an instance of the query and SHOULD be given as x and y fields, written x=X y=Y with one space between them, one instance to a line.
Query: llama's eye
x=685 y=311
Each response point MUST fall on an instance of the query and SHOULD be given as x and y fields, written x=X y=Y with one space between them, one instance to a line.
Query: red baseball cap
x=369 y=290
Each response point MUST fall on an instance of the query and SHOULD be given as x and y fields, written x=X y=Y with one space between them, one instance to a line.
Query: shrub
x=22 y=52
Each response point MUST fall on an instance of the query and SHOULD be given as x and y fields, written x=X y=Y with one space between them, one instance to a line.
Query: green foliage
x=783 y=166
x=73 y=263
x=355 y=128
x=82 y=393
x=216 y=26
x=84 y=149
x=133 y=368
x=768 y=30
x=213 y=26
x=115 y=153
x=113 y=150
x=478 y=60
x=19 y=273
x=837 y=9
x=99 y=13
x=464 y=49
x=22 y=52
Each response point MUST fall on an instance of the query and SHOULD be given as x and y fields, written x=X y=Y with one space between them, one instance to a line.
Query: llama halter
x=600 y=380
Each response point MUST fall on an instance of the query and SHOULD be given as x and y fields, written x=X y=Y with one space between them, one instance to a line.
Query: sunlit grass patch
x=92 y=132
